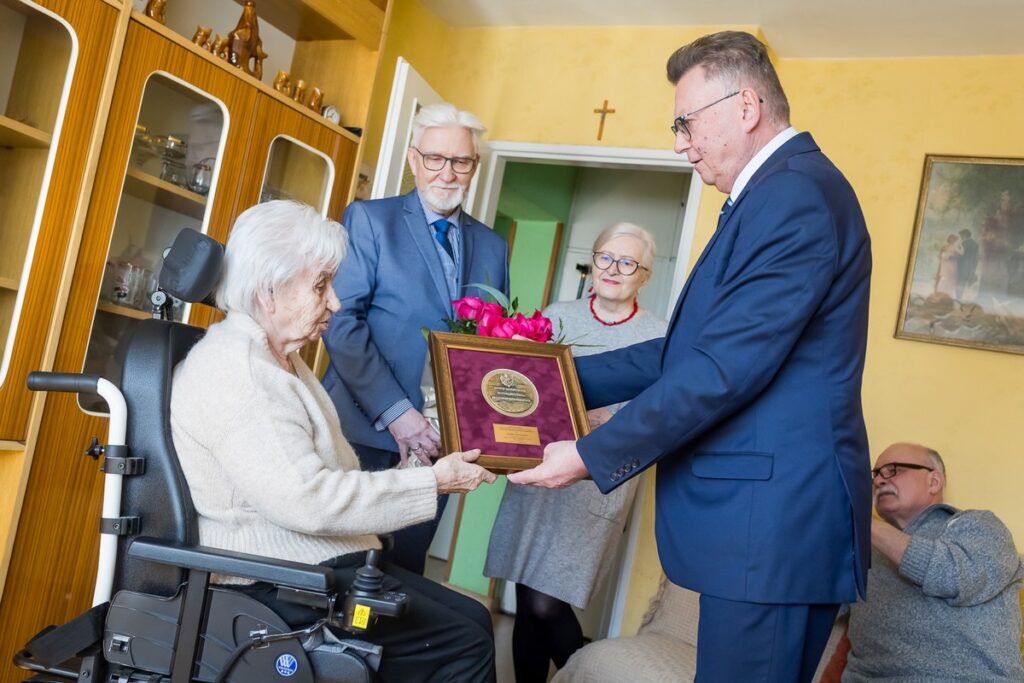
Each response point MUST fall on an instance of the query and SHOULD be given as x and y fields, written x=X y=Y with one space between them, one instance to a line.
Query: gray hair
x=445 y=115
x=630 y=230
x=737 y=58
x=270 y=244
x=936 y=459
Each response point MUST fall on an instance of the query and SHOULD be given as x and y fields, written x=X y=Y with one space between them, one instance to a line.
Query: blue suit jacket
x=751 y=403
x=391 y=284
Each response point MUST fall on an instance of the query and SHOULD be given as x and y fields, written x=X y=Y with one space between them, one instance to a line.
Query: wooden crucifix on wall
x=603 y=111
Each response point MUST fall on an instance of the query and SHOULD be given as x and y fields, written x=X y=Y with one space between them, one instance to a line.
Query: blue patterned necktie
x=441 y=227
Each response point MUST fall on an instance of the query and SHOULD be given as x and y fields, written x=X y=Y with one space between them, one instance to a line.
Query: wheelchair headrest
x=192 y=267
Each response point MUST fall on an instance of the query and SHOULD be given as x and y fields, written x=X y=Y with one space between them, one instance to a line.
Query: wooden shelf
x=8 y=283
x=16 y=134
x=115 y=309
x=162 y=193
x=184 y=42
x=324 y=19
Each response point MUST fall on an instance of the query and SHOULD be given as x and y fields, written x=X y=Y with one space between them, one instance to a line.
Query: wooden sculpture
x=316 y=98
x=244 y=43
x=155 y=10
x=202 y=37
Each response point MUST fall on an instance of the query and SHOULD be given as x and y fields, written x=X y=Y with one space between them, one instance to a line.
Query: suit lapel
x=798 y=144
x=700 y=261
x=419 y=231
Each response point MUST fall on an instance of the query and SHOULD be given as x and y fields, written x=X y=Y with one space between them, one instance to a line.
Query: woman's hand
x=457 y=473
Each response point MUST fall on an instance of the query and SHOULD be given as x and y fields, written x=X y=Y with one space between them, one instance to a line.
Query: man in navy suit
x=408 y=258
x=750 y=405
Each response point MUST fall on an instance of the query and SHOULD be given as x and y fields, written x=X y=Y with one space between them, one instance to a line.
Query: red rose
x=468 y=308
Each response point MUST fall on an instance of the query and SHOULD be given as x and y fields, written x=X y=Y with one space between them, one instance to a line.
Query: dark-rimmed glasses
x=626 y=266
x=436 y=162
x=890 y=470
x=679 y=125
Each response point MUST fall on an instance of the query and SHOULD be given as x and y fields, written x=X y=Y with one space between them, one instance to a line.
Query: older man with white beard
x=408 y=258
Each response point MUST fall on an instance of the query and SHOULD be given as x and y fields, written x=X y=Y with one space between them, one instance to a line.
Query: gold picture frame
x=508 y=397
x=964 y=282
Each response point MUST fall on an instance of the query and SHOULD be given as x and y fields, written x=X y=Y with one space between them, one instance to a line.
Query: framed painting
x=964 y=283
x=507 y=397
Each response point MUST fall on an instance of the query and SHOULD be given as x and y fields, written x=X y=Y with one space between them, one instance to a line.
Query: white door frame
x=484 y=205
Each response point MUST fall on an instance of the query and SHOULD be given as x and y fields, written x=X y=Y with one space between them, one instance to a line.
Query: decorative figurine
x=282 y=83
x=155 y=10
x=245 y=44
x=202 y=37
x=316 y=98
x=220 y=46
x=299 y=94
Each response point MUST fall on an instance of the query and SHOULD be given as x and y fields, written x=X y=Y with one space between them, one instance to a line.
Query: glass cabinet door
x=297 y=171
x=37 y=53
x=168 y=185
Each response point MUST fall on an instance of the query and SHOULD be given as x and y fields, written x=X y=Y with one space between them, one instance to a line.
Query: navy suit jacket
x=751 y=403
x=391 y=284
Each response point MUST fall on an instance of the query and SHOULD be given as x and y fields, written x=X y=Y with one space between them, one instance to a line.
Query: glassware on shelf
x=142 y=147
x=173 y=171
x=170 y=146
x=200 y=175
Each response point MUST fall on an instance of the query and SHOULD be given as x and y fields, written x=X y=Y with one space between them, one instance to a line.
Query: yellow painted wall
x=875 y=118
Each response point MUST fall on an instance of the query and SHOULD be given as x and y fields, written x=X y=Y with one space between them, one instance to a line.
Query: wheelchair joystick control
x=366 y=598
x=369 y=579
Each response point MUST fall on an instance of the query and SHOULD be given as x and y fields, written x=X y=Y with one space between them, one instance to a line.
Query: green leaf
x=498 y=296
x=425 y=331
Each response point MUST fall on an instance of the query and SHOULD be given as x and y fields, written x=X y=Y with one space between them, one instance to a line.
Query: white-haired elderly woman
x=268 y=467
x=557 y=545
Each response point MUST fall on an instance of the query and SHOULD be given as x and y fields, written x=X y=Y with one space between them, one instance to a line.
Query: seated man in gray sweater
x=943 y=601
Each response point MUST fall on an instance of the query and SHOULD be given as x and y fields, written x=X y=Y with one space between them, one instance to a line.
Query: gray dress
x=562 y=542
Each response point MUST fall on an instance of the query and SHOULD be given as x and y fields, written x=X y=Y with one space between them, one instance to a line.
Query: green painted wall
x=478 y=513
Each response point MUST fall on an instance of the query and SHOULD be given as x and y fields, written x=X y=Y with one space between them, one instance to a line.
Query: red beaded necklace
x=636 y=307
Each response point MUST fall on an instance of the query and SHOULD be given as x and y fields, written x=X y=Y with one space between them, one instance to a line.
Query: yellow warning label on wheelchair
x=361 y=617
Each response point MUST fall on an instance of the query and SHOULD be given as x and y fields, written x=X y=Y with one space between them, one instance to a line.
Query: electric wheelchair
x=166 y=622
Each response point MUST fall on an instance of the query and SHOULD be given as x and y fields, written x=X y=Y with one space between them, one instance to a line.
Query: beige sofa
x=664 y=649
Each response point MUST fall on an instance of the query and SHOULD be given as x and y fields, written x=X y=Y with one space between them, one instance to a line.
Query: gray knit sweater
x=269 y=470
x=949 y=612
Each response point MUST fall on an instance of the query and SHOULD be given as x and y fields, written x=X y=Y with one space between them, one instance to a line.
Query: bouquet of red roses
x=500 y=318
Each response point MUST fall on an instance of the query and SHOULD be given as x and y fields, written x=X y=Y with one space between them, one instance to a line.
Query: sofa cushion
x=652 y=657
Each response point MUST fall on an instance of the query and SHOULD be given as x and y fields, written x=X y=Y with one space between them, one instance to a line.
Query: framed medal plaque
x=507 y=397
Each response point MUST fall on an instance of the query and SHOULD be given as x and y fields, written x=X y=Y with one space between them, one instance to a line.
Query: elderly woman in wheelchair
x=269 y=469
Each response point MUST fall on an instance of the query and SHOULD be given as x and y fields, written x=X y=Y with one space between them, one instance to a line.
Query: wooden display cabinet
x=265 y=143
x=52 y=59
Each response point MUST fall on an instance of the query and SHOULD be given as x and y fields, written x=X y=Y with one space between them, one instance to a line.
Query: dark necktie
x=723 y=215
x=441 y=227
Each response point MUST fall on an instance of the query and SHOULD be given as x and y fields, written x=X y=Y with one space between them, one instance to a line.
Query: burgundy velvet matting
x=476 y=418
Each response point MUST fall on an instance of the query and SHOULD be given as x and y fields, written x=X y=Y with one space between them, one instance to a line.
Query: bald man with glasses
x=943 y=601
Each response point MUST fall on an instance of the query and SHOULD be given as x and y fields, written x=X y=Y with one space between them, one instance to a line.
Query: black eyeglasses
x=436 y=162
x=679 y=125
x=626 y=266
x=891 y=469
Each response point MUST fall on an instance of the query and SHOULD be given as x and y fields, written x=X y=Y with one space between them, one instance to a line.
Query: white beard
x=447 y=200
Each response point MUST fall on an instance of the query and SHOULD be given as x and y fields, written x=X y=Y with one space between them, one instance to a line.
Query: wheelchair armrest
x=308 y=577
